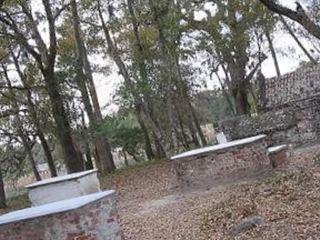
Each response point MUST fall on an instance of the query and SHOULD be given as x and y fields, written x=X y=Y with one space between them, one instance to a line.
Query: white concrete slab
x=52 y=208
x=277 y=148
x=63 y=187
x=61 y=178
x=219 y=147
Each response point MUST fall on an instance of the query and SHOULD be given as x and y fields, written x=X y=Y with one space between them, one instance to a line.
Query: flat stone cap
x=219 y=146
x=53 y=208
x=276 y=149
x=61 y=178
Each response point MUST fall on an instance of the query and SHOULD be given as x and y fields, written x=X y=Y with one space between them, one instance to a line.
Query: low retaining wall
x=292 y=110
x=297 y=124
x=91 y=217
x=205 y=167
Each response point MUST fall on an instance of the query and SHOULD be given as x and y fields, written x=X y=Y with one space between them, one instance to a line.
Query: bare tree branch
x=299 y=16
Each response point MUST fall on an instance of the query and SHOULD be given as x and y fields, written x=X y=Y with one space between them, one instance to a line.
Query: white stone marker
x=221 y=138
x=63 y=187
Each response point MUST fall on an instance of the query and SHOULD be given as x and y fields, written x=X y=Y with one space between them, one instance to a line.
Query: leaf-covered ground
x=287 y=200
x=152 y=208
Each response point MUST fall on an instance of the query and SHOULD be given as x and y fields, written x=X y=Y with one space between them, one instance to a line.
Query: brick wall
x=206 y=169
x=292 y=111
x=291 y=87
x=95 y=221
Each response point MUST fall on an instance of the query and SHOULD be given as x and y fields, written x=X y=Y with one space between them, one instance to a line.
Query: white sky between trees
x=283 y=42
x=107 y=85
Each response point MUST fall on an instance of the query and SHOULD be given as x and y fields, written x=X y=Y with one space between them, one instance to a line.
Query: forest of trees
x=51 y=51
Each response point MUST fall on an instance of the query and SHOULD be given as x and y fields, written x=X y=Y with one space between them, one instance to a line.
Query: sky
x=107 y=85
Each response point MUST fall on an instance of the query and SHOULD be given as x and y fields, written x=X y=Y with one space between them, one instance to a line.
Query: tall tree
x=45 y=56
x=85 y=81
x=232 y=45
x=33 y=112
x=21 y=132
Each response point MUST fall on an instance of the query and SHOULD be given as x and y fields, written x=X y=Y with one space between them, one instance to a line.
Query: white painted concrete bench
x=278 y=155
x=63 y=187
x=93 y=216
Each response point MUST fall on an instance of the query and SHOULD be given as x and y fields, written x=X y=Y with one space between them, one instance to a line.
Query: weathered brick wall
x=293 y=111
x=206 y=169
x=297 y=124
x=278 y=122
x=95 y=221
x=291 y=87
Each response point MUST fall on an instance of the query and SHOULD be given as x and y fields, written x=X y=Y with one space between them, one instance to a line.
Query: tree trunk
x=3 y=203
x=273 y=53
x=161 y=154
x=44 y=143
x=94 y=114
x=34 y=115
x=148 y=147
x=224 y=91
x=89 y=162
x=312 y=60
x=29 y=153
x=46 y=58
x=72 y=161
x=184 y=136
x=299 y=16
x=187 y=97
x=24 y=138
x=241 y=100
x=139 y=106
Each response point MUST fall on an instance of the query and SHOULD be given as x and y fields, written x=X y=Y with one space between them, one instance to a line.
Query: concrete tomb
x=205 y=166
x=63 y=187
x=90 y=217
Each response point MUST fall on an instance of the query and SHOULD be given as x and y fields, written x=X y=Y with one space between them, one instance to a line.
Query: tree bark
x=299 y=16
x=45 y=58
x=72 y=161
x=89 y=162
x=273 y=53
x=3 y=203
x=148 y=146
x=225 y=93
x=85 y=76
x=34 y=116
x=140 y=107
x=47 y=152
x=23 y=136
x=185 y=94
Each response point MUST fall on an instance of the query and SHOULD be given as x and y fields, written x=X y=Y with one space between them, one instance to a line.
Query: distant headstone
x=221 y=138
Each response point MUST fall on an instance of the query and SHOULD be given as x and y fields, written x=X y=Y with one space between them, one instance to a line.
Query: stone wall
x=97 y=220
x=210 y=168
x=296 y=86
x=292 y=111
